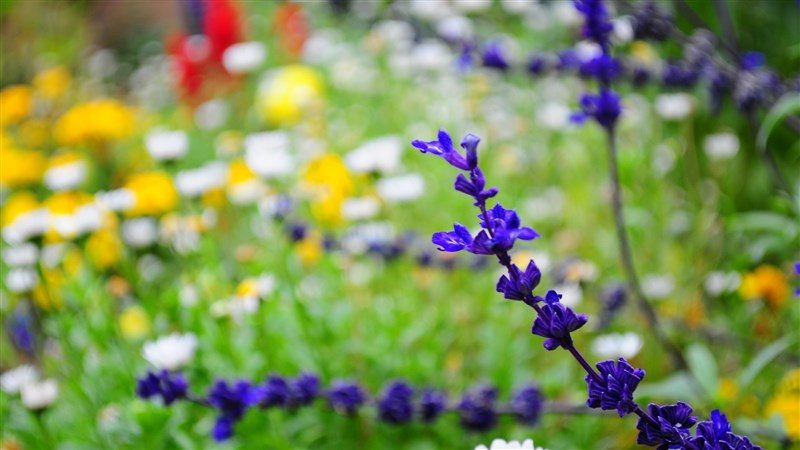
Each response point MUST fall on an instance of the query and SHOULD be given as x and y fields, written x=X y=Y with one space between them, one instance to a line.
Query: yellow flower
x=15 y=104
x=66 y=203
x=767 y=283
x=52 y=83
x=309 y=250
x=134 y=322
x=34 y=133
x=786 y=403
x=239 y=172
x=104 y=249
x=728 y=389
x=329 y=180
x=290 y=94
x=94 y=122
x=20 y=167
x=248 y=288
x=643 y=52
x=154 y=192
x=243 y=184
x=48 y=294
x=17 y=205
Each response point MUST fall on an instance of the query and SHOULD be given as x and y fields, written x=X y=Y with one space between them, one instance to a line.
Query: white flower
x=429 y=9
x=377 y=155
x=116 y=200
x=721 y=146
x=401 y=188
x=566 y=13
x=26 y=226
x=455 y=29
x=140 y=232
x=499 y=444
x=166 y=145
x=587 y=50
x=53 y=254
x=519 y=6
x=12 y=380
x=150 y=267
x=21 y=255
x=658 y=286
x=718 y=283
x=194 y=182
x=431 y=55
x=571 y=293
x=358 y=238
x=39 y=395
x=674 y=106
x=170 y=352
x=188 y=295
x=623 y=30
x=21 y=279
x=396 y=34
x=321 y=47
x=616 y=345
x=554 y=115
x=211 y=114
x=65 y=176
x=267 y=154
x=244 y=57
x=360 y=208
x=468 y=6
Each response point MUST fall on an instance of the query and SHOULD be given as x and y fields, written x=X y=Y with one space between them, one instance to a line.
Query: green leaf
x=704 y=367
x=787 y=105
x=763 y=358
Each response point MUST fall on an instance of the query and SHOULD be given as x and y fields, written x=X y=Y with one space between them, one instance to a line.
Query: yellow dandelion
x=767 y=283
x=52 y=83
x=15 y=104
x=104 y=249
x=20 y=167
x=134 y=322
x=154 y=193
x=290 y=94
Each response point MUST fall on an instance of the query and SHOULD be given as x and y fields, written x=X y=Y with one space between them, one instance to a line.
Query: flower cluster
x=398 y=403
x=611 y=386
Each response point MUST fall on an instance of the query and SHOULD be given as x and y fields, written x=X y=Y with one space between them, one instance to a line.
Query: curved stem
x=627 y=259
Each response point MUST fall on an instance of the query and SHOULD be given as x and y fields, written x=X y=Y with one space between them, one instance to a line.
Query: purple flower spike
x=494 y=56
x=671 y=427
x=520 y=285
x=170 y=387
x=477 y=409
x=443 y=147
x=716 y=434
x=395 y=405
x=475 y=186
x=527 y=405
x=453 y=241
x=346 y=397
x=556 y=321
x=604 y=108
x=432 y=405
x=619 y=380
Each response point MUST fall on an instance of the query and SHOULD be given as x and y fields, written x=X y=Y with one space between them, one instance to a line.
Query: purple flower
x=527 y=405
x=303 y=390
x=431 y=405
x=597 y=26
x=604 y=108
x=651 y=22
x=615 y=391
x=604 y=68
x=494 y=56
x=453 y=241
x=170 y=387
x=716 y=434
x=668 y=426
x=556 y=322
x=568 y=60
x=501 y=228
x=752 y=61
x=520 y=285
x=477 y=409
x=536 y=64
x=797 y=271
x=345 y=397
x=274 y=392
x=475 y=186
x=676 y=75
x=395 y=405
x=443 y=147
x=232 y=402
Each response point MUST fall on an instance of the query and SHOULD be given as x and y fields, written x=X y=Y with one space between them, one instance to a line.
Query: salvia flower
x=432 y=405
x=716 y=434
x=170 y=387
x=527 y=405
x=494 y=56
x=232 y=401
x=605 y=108
x=667 y=427
x=475 y=186
x=274 y=392
x=477 y=409
x=303 y=390
x=443 y=147
x=519 y=285
x=603 y=67
x=395 y=405
x=345 y=397
x=615 y=388
x=597 y=27
x=555 y=322
x=651 y=22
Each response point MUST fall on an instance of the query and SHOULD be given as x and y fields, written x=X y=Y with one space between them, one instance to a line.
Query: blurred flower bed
x=232 y=217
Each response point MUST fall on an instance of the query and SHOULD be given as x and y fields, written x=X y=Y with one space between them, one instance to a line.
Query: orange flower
x=767 y=283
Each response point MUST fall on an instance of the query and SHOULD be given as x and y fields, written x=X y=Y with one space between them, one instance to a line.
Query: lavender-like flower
x=527 y=405
x=432 y=405
x=598 y=26
x=555 y=322
x=477 y=409
x=494 y=56
x=170 y=387
x=518 y=285
x=716 y=434
x=395 y=404
x=615 y=388
x=345 y=397
x=232 y=401
x=303 y=390
x=274 y=392
x=667 y=427
x=605 y=108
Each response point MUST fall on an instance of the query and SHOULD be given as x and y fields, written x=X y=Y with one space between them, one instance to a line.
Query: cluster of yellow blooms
x=766 y=283
x=330 y=183
x=786 y=403
x=95 y=122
